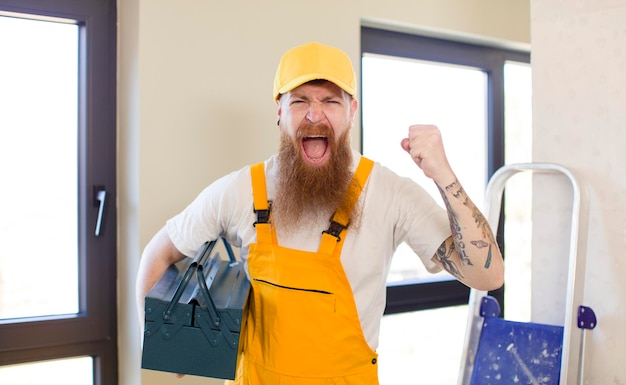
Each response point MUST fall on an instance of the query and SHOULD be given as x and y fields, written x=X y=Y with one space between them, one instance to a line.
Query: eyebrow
x=298 y=95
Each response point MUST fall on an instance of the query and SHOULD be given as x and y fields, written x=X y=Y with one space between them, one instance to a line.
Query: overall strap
x=261 y=204
x=340 y=220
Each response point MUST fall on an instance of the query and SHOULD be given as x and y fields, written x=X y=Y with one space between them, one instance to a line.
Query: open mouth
x=315 y=148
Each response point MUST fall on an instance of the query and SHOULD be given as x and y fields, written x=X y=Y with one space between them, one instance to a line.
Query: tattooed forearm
x=456 y=190
x=471 y=253
x=443 y=256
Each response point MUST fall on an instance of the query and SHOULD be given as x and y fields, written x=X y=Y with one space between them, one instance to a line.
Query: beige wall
x=579 y=115
x=195 y=80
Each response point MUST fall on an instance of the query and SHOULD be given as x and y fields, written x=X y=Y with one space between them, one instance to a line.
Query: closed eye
x=332 y=99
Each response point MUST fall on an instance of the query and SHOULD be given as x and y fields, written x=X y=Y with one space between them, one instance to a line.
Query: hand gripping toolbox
x=194 y=313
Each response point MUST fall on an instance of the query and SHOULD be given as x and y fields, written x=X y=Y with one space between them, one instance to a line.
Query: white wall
x=579 y=115
x=195 y=81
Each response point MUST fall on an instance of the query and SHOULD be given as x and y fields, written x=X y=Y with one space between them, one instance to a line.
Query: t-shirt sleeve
x=217 y=211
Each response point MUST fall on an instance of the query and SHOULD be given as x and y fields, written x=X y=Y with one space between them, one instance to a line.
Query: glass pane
x=517 y=206
x=71 y=371
x=422 y=347
x=400 y=92
x=38 y=168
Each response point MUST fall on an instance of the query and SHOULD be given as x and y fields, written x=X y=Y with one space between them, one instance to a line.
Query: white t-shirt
x=395 y=210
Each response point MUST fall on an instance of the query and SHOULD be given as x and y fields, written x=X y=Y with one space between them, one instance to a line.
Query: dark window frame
x=490 y=58
x=93 y=330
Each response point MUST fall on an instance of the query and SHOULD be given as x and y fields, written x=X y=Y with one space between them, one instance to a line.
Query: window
x=57 y=211
x=460 y=86
x=416 y=91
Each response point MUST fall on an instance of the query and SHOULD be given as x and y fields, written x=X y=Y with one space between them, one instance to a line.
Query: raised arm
x=471 y=254
x=157 y=256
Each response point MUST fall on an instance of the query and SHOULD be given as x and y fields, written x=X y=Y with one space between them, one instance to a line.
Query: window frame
x=93 y=330
x=490 y=58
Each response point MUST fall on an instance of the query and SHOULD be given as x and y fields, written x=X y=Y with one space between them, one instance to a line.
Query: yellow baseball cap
x=313 y=61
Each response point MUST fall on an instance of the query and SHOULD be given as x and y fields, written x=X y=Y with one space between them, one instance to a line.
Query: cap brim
x=297 y=82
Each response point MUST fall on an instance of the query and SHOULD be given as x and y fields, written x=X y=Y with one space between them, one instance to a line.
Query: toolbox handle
x=205 y=252
x=196 y=266
x=215 y=318
x=229 y=251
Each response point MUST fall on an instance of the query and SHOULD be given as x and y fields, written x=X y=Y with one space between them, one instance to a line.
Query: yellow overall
x=302 y=324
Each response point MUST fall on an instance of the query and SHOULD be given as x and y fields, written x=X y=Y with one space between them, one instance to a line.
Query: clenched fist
x=425 y=146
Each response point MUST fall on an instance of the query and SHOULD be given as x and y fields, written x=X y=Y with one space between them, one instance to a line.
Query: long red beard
x=305 y=193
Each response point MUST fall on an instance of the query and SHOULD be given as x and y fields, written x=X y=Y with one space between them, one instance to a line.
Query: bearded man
x=317 y=225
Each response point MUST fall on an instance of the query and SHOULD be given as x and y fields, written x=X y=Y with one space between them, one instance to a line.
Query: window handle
x=101 y=195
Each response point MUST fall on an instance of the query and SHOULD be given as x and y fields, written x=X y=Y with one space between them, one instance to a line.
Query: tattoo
x=480 y=244
x=443 y=256
x=488 y=261
x=460 y=194
x=456 y=190
x=457 y=236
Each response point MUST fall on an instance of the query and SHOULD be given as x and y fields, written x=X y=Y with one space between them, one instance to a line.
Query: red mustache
x=310 y=129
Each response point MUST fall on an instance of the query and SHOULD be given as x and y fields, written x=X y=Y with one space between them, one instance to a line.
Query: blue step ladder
x=499 y=351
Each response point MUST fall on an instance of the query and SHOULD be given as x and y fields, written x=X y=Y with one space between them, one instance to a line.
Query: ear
x=279 y=111
x=354 y=105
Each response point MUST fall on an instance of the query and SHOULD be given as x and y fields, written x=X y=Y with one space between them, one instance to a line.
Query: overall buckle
x=263 y=216
x=335 y=229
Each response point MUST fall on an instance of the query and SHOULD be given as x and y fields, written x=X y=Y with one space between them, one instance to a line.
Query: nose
x=315 y=113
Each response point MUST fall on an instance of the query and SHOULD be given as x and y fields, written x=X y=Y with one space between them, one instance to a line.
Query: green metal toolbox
x=194 y=313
